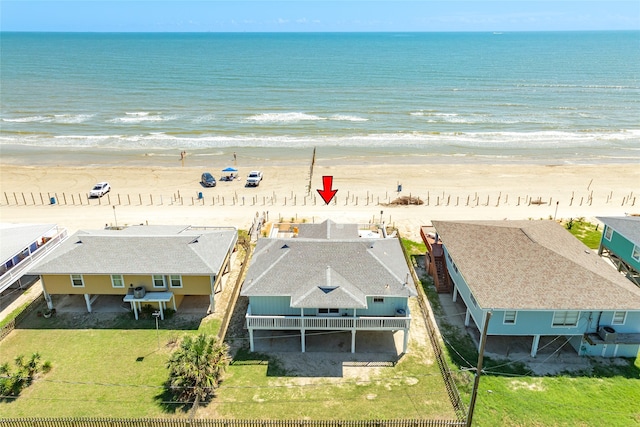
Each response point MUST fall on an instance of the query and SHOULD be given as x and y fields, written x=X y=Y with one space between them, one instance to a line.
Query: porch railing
x=328 y=323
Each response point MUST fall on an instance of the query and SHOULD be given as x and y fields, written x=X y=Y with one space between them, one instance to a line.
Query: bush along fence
x=161 y=422
x=431 y=199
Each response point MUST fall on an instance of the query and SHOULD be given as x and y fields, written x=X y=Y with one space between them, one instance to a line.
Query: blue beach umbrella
x=230 y=169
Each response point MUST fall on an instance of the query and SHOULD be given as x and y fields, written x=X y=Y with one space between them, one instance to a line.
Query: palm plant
x=196 y=368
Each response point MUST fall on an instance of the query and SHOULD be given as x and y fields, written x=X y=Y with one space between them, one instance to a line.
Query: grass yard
x=258 y=387
x=585 y=232
x=97 y=372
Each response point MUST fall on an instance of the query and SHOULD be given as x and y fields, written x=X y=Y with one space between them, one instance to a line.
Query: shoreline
x=257 y=157
x=170 y=195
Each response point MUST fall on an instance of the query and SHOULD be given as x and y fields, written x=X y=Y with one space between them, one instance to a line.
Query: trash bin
x=200 y=195
x=399 y=188
x=53 y=200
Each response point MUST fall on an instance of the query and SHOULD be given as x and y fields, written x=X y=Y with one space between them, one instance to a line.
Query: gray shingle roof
x=142 y=250
x=307 y=270
x=628 y=226
x=328 y=230
x=535 y=265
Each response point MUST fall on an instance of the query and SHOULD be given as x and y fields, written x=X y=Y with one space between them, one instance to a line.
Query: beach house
x=538 y=280
x=327 y=278
x=21 y=245
x=620 y=243
x=146 y=265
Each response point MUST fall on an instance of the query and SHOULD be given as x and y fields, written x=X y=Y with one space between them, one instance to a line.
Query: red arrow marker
x=327 y=193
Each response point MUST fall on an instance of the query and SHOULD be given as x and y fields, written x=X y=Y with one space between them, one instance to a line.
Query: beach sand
x=169 y=195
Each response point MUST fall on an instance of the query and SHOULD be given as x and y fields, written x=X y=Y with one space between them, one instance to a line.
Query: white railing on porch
x=330 y=323
x=18 y=270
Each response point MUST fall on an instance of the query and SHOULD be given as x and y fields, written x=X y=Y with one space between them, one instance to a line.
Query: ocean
x=100 y=98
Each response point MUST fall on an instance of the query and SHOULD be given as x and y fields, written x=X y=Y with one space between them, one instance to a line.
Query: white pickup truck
x=254 y=178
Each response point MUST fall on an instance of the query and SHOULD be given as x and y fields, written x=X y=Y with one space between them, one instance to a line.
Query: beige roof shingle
x=534 y=265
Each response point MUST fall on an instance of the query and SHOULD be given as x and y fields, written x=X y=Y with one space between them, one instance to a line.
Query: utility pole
x=476 y=382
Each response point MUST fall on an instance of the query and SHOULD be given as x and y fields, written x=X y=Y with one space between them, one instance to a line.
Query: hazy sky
x=319 y=16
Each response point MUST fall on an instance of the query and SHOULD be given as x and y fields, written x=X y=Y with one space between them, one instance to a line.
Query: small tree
x=196 y=368
x=12 y=382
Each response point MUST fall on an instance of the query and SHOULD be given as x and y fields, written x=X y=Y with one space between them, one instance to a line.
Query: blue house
x=620 y=242
x=538 y=280
x=327 y=278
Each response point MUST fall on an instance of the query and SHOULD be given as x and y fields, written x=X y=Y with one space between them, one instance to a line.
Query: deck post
x=455 y=293
x=466 y=318
x=405 y=343
x=251 y=339
x=534 y=345
x=87 y=300
x=302 y=330
x=353 y=341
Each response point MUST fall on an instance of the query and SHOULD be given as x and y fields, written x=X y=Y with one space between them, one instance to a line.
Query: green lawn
x=587 y=233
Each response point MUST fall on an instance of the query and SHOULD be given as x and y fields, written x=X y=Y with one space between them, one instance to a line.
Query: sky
x=317 y=16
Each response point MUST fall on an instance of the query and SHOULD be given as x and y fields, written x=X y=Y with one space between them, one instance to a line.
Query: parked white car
x=254 y=178
x=100 y=189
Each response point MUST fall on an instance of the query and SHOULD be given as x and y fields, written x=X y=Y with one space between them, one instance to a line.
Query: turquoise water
x=540 y=97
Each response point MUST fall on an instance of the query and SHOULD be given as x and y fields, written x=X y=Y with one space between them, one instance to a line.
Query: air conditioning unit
x=608 y=334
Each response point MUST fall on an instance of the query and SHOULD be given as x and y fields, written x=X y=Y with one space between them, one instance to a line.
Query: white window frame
x=75 y=277
x=153 y=281
x=117 y=277
x=171 y=279
x=506 y=320
x=560 y=319
x=616 y=314
x=608 y=233
x=329 y=311
x=635 y=253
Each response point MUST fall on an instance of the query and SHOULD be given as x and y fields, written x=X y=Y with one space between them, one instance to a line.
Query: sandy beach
x=170 y=195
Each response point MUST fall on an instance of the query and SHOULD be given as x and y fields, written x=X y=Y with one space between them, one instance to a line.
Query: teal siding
x=464 y=292
x=386 y=308
x=272 y=306
x=620 y=246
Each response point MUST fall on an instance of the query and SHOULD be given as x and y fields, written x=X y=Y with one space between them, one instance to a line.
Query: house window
x=455 y=267
x=636 y=253
x=565 y=318
x=473 y=300
x=608 y=233
x=158 y=281
x=328 y=311
x=77 y=281
x=619 y=317
x=175 y=281
x=117 y=281
x=378 y=299
x=509 y=318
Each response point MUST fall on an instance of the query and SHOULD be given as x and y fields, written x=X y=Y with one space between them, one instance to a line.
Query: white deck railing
x=18 y=270
x=328 y=323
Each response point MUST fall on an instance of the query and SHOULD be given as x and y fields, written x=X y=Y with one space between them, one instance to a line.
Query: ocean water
x=570 y=97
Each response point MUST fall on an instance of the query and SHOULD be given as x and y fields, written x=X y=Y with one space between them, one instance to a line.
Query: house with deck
x=21 y=245
x=146 y=265
x=538 y=280
x=327 y=278
x=620 y=243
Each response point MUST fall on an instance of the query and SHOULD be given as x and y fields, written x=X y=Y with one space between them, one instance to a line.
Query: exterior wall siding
x=463 y=291
x=272 y=306
x=100 y=284
x=280 y=306
x=621 y=247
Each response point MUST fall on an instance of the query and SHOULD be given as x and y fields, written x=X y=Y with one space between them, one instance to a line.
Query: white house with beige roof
x=538 y=280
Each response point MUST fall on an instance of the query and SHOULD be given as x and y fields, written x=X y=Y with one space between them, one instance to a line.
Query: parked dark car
x=208 y=180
